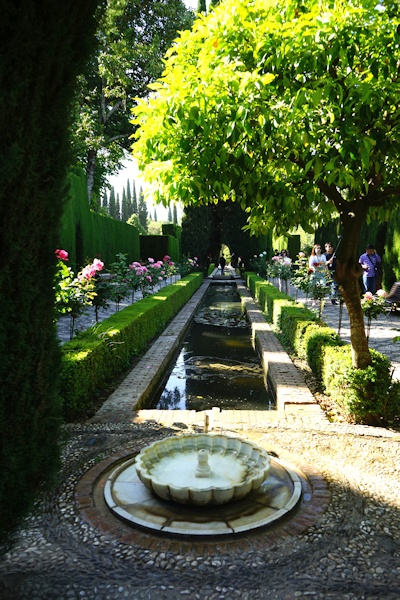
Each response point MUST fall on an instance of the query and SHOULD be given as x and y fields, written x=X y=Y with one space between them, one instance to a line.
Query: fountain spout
x=203 y=468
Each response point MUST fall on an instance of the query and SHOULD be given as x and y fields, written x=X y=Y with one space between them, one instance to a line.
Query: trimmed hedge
x=363 y=395
x=101 y=353
x=367 y=396
x=87 y=234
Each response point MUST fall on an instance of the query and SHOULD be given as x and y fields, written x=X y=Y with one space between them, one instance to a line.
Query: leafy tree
x=128 y=200
x=134 y=221
x=154 y=228
x=132 y=40
x=289 y=109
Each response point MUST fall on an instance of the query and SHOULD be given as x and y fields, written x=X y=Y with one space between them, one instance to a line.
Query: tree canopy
x=132 y=39
x=289 y=109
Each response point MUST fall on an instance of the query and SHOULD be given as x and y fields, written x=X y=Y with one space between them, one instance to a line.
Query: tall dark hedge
x=86 y=234
x=206 y=228
x=44 y=44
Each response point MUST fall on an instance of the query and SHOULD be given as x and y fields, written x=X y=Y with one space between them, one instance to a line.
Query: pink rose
x=166 y=258
x=368 y=296
x=61 y=254
x=381 y=293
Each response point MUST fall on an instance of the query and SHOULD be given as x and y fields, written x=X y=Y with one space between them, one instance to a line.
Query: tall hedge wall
x=157 y=246
x=44 y=45
x=86 y=234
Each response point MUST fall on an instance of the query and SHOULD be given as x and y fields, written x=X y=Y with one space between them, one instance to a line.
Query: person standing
x=331 y=264
x=369 y=262
x=222 y=263
x=283 y=280
x=317 y=267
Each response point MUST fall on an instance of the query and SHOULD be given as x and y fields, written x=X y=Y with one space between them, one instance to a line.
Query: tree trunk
x=347 y=273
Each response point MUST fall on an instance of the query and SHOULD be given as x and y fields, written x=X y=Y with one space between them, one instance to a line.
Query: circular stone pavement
x=305 y=497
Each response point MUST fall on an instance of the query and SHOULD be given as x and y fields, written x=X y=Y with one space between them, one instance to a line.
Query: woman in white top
x=283 y=281
x=317 y=262
x=318 y=265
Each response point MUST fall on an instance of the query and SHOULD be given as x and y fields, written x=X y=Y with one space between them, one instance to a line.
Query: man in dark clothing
x=222 y=263
x=369 y=262
x=331 y=264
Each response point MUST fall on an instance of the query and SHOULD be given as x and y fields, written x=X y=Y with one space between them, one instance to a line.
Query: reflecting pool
x=217 y=365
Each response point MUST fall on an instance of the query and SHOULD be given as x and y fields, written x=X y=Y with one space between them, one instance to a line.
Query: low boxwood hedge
x=98 y=355
x=362 y=395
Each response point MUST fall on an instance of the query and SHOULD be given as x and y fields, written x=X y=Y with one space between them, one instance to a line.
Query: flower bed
x=94 y=358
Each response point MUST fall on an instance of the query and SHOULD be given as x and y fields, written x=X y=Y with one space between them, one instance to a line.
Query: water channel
x=217 y=364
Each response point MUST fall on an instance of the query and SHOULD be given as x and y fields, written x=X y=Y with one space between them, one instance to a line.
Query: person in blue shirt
x=369 y=261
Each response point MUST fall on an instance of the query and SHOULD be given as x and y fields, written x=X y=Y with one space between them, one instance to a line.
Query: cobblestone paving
x=352 y=551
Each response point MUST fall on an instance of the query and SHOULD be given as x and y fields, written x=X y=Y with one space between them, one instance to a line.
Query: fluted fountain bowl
x=202 y=469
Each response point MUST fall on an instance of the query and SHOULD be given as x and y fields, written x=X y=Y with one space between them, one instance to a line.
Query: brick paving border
x=92 y=509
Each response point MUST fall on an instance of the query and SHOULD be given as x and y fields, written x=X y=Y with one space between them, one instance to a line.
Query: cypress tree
x=142 y=208
x=169 y=214
x=105 y=201
x=118 y=208
x=155 y=215
x=175 y=215
x=124 y=207
x=128 y=200
x=44 y=46
x=201 y=6
x=112 y=205
x=134 y=200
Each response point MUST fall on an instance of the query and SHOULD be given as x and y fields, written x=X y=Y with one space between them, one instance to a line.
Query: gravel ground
x=353 y=550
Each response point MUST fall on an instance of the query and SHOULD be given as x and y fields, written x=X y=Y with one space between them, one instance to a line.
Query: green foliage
x=103 y=352
x=259 y=264
x=298 y=129
x=365 y=396
x=188 y=265
x=132 y=40
x=85 y=233
x=206 y=228
x=309 y=119
x=391 y=264
x=294 y=322
x=315 y=341
x=362 y=395
x=45 y=45
x=134 y=221
x=157 y=246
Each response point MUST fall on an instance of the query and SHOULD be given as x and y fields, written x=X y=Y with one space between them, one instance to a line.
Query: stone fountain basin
x=170 y=468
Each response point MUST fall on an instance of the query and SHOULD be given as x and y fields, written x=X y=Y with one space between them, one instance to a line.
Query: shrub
x=364 y=395
x=315 y=342
x=101 y=353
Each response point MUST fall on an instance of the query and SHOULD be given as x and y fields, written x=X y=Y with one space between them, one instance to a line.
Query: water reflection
x=217 y=365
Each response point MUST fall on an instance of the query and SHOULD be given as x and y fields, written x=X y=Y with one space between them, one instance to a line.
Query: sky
x=130 y=170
